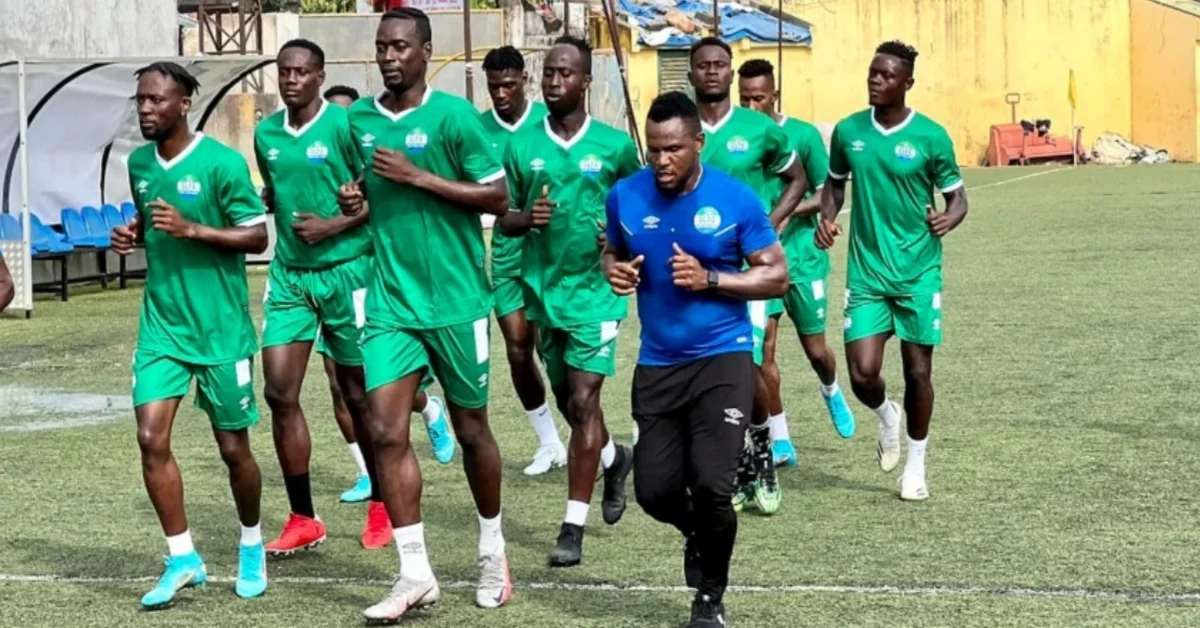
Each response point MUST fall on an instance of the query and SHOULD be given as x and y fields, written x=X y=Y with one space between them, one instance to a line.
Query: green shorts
x=758 y=321
x=508 y=295
x=805 y=303
x=915 y=318
x=300 y=304
x=775 y=308
x=457 y=355
x=591 y=348
x=225 y=392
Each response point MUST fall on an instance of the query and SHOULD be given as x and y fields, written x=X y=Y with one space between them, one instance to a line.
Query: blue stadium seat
x=45 y=239
x=112 y=217
x=76 y=229
x=128 y=211
x=10 y=228
x=96 y=227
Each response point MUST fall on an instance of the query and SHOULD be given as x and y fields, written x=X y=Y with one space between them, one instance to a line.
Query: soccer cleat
x=547 y=457
x=887 y=450
x=569 y=550
x=406 y=595
x=181 y=572
x=252 y=571
x=913 y=488
x=495 y=582
x=744 y=497
x=299 y=533
x=691 y=562
x=707 y=613
x=767 y=494
x=785 y=453
x=360 y=492
x=840 y=414
x=377 y=532
x=439 y=433
x=613 y=504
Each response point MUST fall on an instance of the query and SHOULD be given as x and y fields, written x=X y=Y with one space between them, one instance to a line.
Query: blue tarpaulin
x=738 y=22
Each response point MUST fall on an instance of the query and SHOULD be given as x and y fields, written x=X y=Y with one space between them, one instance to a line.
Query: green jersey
x=561 y=262
x=750 y=147
x=196 y=303
x=429 y=251
x=896 y=172
x=506 y=251
x=805 y=261
x=304 y=168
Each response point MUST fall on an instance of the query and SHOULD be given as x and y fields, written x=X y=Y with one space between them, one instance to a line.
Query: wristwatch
x=713 y=279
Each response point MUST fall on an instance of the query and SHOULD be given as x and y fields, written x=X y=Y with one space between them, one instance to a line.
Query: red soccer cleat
x=377 y=532
x=299 y=533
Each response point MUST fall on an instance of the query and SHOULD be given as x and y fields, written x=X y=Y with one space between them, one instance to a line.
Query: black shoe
x=613 y=504
x=691 y=562
x=569 y=550
x=707 y=613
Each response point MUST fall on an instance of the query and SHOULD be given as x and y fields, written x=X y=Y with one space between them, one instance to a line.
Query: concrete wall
x=1163 y=52
x=96 y=28
x=350 y=36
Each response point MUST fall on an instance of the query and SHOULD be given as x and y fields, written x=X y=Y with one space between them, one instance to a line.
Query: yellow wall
x=1163 y=52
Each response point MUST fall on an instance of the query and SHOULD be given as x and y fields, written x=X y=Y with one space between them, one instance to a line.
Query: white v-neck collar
x=515 y=126
x=896 y=129
x=166 y=165
x=720 y=123
x=396 y=116
x=294 y=132
x=567 y=144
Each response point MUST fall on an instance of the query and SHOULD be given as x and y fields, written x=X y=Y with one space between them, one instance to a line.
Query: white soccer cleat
x=406 y=595
x=547 y=457
x=495 y=581
x=913 y=488
x=887 y=450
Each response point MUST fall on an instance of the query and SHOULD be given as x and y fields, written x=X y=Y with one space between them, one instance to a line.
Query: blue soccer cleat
x=785 y=453
x=360 y=492
x=181 y=572
x=439 y=432
x=252 y=571
x=839 y=412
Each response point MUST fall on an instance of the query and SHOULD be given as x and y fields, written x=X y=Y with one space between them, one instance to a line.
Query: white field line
x=995 y=183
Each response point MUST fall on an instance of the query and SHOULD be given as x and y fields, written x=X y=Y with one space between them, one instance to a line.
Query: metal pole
x=566 y=17
x=470 y=73
x=610 y=18
x=23 y=130
x=779 y=60
x=716 y=18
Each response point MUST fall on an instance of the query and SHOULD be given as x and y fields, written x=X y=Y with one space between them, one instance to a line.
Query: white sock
x=180 y=544
x=779 y=429
x=577 y=513
x=915 y=463
x=252 y=535
x=887 y=413
x=356 y=453
x=543 y=425
x=608 y=455
x=414 y=561
x=491 y=539
x=830 y=390
x=431 y=411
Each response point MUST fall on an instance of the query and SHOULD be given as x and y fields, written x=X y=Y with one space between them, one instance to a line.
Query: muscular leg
x=351 y=382
x=770 y=368
x=481 y=457
x=918 y=387
x=588 y=433
x=160 y=473
x=398 y=476
x=823 y=362
x=519 y=340
x=283 y=369
x=340 y=412
x=865 y=358
x=244 y=476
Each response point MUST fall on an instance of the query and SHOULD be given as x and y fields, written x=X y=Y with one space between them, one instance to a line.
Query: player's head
x=164 y=98
x=891 y=74
x=341 y=95
x=566 y=74
x=301 y=65
x=756 y=86
x=504 y=68
x=403 y=45
x=673 y=140
x=711 y=69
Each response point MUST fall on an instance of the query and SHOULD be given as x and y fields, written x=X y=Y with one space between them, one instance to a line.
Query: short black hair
x=584 y=48
x=175 y=72
x=755 y=68
x=673 y=105
x=898 y=49
x=706 y=42
x=424 y=31
x=504 y=58
x=341 y=90
x=312 y=48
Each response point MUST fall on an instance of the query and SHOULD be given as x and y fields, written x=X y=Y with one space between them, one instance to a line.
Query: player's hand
x=939 y=224
x=602 y=237
x=167 y=219
x=542 y=208
x=268 y=198
x=123 y=237
x=312 y=229
x=687 y=271
x=395 y=166
x=350 y=199
x=826 y=231
x=624 y=277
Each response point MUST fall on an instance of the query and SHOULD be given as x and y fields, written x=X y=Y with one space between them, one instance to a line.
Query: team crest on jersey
x=273 y=154
x=416 y=141
x=707 y=220
x=537 y=165
x=591 y=165
x=737 y=145
x=858 y=146
x=188 y=187
x=317 y=152
x=906 y=151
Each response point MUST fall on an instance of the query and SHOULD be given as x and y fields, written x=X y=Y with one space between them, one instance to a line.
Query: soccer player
x=7 y=289
x=898 y=158
x=341 y=95
x=200 y=215
x=559 y=173
x=753 y=149
x=432 y=172
x=695 y=245
x=808 y=266
x=511 y=111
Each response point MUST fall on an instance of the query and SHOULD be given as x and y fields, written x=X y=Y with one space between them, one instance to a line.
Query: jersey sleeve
x=754 y=227
x=628 y=160
x=944 y=165
x=474 y=155
x=517 y=200
x=839 y=167
x=777 y=151
x=261 y=162
x=811 y=151
x=349 y=150
x=614 y=229
x=240 y=203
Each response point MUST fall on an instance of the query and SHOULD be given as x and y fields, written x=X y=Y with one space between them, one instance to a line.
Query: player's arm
x=949 y=181
x=622 y=273
x=833 y=195
x=781 y=160
x=268 y=191
x=766 y=275
x=516 y=222
x=812 y=154
x=7 y=289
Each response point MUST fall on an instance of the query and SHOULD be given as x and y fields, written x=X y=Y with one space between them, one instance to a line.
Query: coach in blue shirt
x=679 y=236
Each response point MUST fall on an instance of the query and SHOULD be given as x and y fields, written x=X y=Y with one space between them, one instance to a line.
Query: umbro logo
x=650 y=222
x=273 y=154
x=368 y=140
x=858 y=146
x=483 y=380
x=733 y=416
